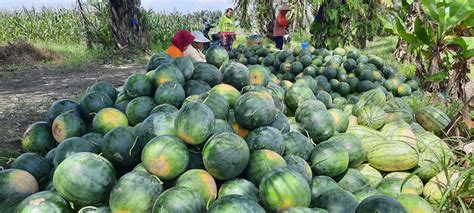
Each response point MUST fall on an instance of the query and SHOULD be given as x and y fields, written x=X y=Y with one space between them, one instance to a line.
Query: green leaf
x=459 y=41
x=421 y=33
x=431 y=8
x=468 y=53
x=402 y=32
x=437 y=76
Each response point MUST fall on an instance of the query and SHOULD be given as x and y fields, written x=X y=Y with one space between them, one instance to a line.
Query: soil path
x=26 y=94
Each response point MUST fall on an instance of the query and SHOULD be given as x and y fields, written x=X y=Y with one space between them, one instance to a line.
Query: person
x=194 y=51
x=280 y=27
x=181 y=41
x=215 y=40
x=227 y=29
x=206 y=30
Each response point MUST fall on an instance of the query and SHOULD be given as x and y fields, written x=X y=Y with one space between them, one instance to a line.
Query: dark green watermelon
x=16 y=182
x=266 y=137
x=298 y=145
x=164 y=108
x=235 y=74
x=319 y=185
x=217 y=103
x=239 y=187
x=319 y=124
x=94 y=138
x=255 y=109
x=185 y=64
x=261 y=163
x=353 y=146
x=353 y=180
x=225 y=155
x=104 y=87
x=33 y=163
x=337 y=200
x=157 y=124
x=71 y=146
x=207 y=73
x=92 y=103
x=179 y=199
x=194 y=123
x=170 y=93
x=121 y=147
x=167 y=73
x=60 y=106
x=236 y=203
x=216 y=55
x=84 y=178
x=195 y=87
x=380 y=203
x=45 y=201
x=135 y=191
x=330 y=159
x=38 y=138
x=138 y=109
x=138 y=84
x=281 y=122
x=157 y=59
x=200 y=181
x=299 y=165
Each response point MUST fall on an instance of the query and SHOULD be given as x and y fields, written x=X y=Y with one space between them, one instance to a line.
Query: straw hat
x=284 y=8
x=199 y=37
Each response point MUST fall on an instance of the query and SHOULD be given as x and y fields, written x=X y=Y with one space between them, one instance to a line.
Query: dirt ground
x=26 y=93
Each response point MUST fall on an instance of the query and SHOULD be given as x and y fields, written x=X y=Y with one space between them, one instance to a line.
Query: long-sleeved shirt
x=195 y=54
x=226 y=24
x=280 y=25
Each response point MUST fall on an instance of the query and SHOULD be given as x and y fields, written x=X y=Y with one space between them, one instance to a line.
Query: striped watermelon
x=432 y=119
x=393 y=156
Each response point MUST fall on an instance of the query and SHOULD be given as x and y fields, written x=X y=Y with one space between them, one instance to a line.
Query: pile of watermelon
x=252 y=130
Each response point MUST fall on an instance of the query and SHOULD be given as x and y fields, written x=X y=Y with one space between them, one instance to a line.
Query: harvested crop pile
x=22 y=52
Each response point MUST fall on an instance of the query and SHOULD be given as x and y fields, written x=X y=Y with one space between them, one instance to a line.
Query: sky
x=156 y=5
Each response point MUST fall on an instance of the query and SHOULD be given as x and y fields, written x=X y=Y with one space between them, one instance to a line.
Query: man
x=194 y=51
x=281 y=25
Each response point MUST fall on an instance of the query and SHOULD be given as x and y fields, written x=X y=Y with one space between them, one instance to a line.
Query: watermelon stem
x=209 y=201
x=133 y=146
x=88 y=208
x=158 y=179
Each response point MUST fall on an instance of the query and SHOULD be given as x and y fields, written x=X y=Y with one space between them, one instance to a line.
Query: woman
x=194 y=51
x=180 y=43
x=227 y=29
x=281 y=24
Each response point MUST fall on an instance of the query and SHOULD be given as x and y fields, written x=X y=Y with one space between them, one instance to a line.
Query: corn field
x=64 y=25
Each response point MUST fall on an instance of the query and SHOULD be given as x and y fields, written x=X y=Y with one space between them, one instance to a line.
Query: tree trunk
x=401 y=52
x=458 y=79
x=266 y=13
x=85 y=24
x=125 y=22
x=295 y=19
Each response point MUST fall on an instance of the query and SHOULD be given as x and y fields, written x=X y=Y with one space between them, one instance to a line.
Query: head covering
x=199 y=37
x=284 y=8
x=182 y=39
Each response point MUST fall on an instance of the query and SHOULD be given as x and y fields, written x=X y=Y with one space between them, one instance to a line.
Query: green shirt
x=226 y=24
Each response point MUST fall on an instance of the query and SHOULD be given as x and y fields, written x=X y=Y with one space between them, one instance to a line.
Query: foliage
x=439 y=48
x=347 y=22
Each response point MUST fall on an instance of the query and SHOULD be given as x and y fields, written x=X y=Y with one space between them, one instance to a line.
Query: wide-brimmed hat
x=284 y=8
x=199 y=37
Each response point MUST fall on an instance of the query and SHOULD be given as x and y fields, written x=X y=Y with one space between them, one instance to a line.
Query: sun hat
x=199 y=37
x=284 y=8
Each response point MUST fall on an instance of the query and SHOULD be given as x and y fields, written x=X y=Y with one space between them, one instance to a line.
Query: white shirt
x=195 y=54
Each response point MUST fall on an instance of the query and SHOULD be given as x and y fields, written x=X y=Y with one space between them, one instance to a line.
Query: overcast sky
x=156 y=5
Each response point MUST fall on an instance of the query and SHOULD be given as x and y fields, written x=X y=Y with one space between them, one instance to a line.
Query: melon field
x=251 y=130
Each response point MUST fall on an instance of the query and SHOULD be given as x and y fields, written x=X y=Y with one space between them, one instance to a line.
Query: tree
x=125 y=22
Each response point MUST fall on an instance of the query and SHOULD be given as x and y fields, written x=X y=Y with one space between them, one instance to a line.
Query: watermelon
x=217 y=103
x=365 y=193
x=266 y=137
x=16 y=182
x=371 y=116
x=319 y=185
x=235 y=74
x=45 y=201
x=380 y=203
x=414 y=203
x=258 y=75
x=225 y=155
x=221 y=126
x=393 y=187
x=435 y=188
x=255 y=109
x=432 y=119
x=330 y=159
x=230 y=93
x=403 y=90
x=92 y=103
x=296 y=95
x=107 y=119
x=195 y=87
x=167 y=73
x=353 y=180
x=170 y=93
x=157 y=124
x=179 y=199
x=297 y=144
x=67 y=125
x=337 y=200
x=38 y=138
x=216 y=55
x=399 y=108
x=353 y=146
x=60 y=106
x=188 y=129
x=185 y=64
x=137 y=85
x=307 y=107
x=71 y=146
x=199 y=181
x=157 y=59
x=261 y=163
x=393 y=156
x=235 y=203
x=138 y=109
x=371 y=173
x=207 y=73
x=104 y=87
x=135 y=191
x=121 y=147
x=402 y=135
x=122 y=106
x=319 y=124
x=239 y=187
x=168 y=108
x=341 y=120
x=90 y=180
x=50 y=156
x=165 y=156
x=33 y=163
x=299 y=165
x=414 y=180
x=284 y=188
x=238 y=129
